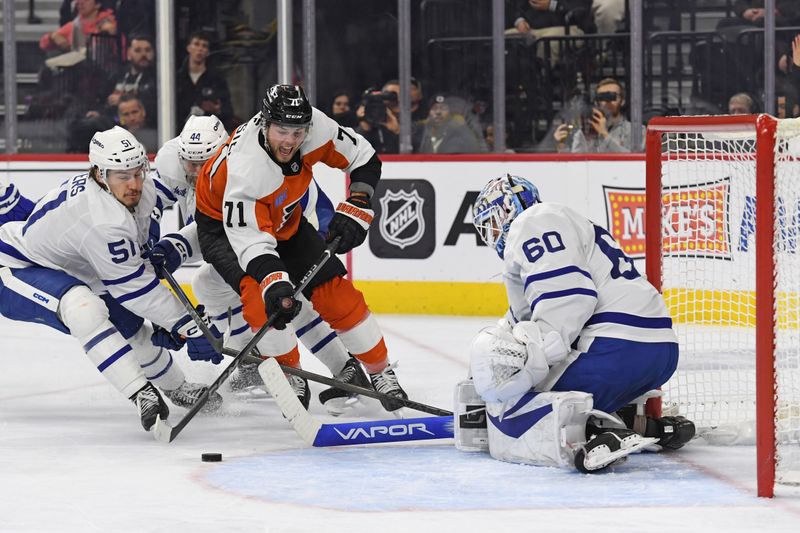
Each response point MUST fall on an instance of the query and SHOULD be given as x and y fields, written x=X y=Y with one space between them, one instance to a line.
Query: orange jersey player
x=249 y=216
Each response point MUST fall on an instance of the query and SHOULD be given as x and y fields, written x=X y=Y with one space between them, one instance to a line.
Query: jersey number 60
x=534 y=248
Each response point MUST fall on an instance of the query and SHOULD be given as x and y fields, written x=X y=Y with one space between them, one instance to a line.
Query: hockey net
x=730 y=275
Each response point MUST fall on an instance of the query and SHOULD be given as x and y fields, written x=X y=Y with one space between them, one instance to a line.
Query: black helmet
x=286 y=105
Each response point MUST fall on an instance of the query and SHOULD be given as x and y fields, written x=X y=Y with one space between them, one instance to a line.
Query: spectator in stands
x=341 y=110
x=210 y=103
x=136 y=17
x=90 y=18
x=137 y=77
x=605 y=128
x=133 y=117
x=195 y=75
x=419 y=112
x=741 y=104
x=447 y=131
x=552 y=18
x=609 y=15
x=751 y=13
x=377 y=122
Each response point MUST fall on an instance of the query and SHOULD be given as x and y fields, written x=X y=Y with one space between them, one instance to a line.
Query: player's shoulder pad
x=323 y=130
x=167 y=162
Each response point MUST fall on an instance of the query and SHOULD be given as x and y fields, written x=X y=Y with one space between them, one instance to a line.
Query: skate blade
x=340 y=406
x=595 y=463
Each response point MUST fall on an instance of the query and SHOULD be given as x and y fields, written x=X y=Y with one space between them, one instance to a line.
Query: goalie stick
x=163 y=431
x=217 y=343
x=317 y=434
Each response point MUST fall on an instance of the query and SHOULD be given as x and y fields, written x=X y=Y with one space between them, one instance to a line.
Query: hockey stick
x=317 y=434
x=163 y=431
x=217 y=344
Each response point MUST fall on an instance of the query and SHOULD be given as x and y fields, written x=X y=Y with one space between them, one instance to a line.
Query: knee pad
x=339 y=303
x=82 y=311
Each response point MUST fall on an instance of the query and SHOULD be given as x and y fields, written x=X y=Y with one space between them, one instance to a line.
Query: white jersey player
x=75 y=264
x=584 y=331
x=178 y=163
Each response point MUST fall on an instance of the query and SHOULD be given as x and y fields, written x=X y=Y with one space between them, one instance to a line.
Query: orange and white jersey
x=258 y=199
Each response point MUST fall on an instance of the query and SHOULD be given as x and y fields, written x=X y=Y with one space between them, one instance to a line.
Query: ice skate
x=188 y=393
x=337 y=401
x=150 y=405
x=386 y=382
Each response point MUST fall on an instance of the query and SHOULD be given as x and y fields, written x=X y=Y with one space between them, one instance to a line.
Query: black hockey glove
x=351 y=222
x=279 y=300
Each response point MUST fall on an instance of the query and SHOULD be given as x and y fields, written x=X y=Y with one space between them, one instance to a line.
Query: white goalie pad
x=545 y=430
x=502 y=368
x=470 y=434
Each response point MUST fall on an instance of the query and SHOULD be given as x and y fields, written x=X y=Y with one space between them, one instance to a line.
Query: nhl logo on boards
x=405 y=218
x=402 y=223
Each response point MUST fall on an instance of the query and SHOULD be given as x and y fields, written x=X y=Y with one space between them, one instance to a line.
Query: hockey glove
x=170 y=253
x=163 y=337
x=196 y=344
x=351 y=222
x=278 y=294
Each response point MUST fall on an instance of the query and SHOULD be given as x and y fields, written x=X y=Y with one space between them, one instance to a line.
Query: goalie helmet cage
x=729 y=270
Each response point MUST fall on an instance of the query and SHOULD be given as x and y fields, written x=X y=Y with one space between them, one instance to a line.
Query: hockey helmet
x=286 y=105
x=201 y=138
x=498 y=204
x=116 y=149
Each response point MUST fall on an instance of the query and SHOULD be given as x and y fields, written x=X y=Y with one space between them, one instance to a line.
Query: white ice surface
x=73 y=458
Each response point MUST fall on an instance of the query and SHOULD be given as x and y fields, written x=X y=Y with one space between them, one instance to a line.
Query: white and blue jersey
x=82 y=230
x=570 y=276
x=13 y=206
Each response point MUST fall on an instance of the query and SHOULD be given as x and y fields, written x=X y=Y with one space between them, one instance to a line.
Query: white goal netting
x=708 y=265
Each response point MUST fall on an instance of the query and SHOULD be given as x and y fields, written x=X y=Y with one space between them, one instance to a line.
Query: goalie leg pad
x=471 y=434
x=545 y=429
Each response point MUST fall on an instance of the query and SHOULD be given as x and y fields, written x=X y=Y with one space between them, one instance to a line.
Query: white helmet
x=116 y=149
x=201 y=138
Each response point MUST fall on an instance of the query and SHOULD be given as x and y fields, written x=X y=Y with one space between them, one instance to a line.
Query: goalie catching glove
x=351 y=222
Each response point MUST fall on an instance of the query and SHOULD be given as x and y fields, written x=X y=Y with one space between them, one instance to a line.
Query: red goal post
x=734 y=302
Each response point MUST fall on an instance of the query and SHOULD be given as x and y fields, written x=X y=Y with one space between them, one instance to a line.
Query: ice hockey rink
x=73 y=458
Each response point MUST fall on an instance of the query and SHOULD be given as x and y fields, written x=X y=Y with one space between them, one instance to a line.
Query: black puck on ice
x=211 y=457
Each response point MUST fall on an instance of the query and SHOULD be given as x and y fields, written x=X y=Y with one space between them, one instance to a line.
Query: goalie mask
x=498 y=204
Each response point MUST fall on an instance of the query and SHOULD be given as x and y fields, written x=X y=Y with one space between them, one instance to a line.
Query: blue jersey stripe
x=97 y=339
x=157 y=357
x=631 y=320
x=169 y=364
x=321 y=344
x=110 y=361
x=240 y=330
x=135 y=294
x=308 y=327
x=562 y=294
x=165 y=191
x=46 y=208
x=515 y=426
x=224 y=315
x=554 y=274
x=13 y=252
x=124 y=279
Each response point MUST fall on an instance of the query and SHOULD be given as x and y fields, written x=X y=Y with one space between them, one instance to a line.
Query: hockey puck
x=211 y=457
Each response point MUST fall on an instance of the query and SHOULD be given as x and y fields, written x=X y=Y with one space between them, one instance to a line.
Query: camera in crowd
x=605 y=96
x=375 y=104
